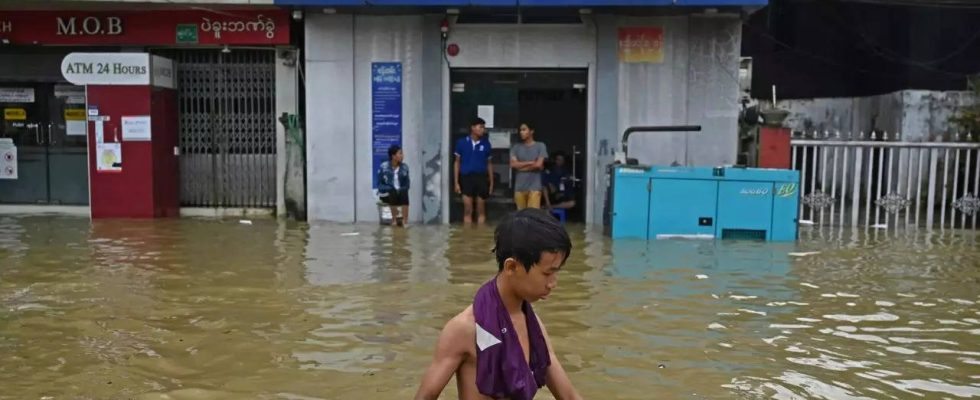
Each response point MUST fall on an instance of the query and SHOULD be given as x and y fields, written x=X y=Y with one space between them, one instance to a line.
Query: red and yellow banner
x=641 y=45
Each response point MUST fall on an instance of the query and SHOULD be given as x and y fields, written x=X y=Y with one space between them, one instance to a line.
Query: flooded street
x=216 y=309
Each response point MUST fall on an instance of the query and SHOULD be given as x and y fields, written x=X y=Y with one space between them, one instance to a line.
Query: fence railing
x=877 y=180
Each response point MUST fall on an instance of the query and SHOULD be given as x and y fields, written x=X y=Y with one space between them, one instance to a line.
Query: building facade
x=291 y=106
x=581 y=73
x=236 y=74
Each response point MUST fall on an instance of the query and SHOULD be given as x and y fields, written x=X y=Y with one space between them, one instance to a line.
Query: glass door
x=66 y=142
x=24 y=123
x=47 y=125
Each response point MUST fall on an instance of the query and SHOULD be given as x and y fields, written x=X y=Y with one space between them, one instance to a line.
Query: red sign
x=242 y=27
x=641 y=45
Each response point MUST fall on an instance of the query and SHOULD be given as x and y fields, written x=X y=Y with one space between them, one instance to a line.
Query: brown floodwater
x=218 y=309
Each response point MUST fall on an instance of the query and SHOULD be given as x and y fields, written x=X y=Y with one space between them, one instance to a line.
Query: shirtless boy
x=497 y=347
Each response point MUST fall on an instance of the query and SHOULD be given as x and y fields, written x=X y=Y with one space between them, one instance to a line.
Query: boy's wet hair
x=477 y=121
x=523 y=235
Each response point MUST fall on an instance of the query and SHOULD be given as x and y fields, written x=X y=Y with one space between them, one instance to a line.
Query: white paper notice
x=500 y=140
x=16 y=95
x=136 y=128
x=99 y=131
x=485 y=112
x=109 y=157
x=75 y=128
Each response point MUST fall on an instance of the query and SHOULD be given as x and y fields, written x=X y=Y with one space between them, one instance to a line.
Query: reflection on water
x=203 y=309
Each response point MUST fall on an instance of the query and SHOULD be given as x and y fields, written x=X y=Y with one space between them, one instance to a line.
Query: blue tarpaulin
x=522 y=3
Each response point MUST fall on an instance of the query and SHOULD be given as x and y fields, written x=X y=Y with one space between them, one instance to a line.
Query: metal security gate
x=227 y=127
x=879 y=181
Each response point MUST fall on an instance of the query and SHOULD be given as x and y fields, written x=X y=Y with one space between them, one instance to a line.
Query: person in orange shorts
x=527 y=159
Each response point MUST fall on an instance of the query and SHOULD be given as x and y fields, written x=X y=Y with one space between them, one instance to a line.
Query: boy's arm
x=381 y=185
x=547 y=206
x=490 y=175
x=450 y=350
x=514 y=163
x=538 y=163
x=456 y=174
x=518 y=165
x=558 y=382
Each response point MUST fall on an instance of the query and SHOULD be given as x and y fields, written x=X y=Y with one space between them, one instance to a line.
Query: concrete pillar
x=330 y=153
x=287 y=102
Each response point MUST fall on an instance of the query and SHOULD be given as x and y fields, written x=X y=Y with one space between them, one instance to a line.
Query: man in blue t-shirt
x=473 y=173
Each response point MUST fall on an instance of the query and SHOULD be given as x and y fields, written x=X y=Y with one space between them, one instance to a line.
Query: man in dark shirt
x=558 y=182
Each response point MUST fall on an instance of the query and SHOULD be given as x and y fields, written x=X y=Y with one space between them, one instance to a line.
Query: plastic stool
x=559 y=213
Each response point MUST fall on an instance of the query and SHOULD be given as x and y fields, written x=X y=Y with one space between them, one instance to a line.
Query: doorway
x=47 y=124
x=226 y=104
x=553 y=101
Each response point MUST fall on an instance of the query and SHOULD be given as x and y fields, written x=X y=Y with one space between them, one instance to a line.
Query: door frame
x=526 y=46
x=586 y=178
x=590 y=170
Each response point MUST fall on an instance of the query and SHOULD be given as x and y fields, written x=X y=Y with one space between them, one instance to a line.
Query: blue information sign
x=386 y=112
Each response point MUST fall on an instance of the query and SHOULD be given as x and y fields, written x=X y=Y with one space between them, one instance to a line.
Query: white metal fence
x=879 y=181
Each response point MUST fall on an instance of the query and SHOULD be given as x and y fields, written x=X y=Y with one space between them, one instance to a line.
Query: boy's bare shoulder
x=463 y=321
x=462 y=327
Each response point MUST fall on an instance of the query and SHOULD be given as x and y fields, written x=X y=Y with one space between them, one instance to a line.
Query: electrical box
x=650 y=202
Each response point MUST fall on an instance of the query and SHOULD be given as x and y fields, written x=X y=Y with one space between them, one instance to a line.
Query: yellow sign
x=74 y=114
x=14 y=114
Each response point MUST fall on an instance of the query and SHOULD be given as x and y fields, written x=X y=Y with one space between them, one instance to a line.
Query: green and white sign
x=187 y=33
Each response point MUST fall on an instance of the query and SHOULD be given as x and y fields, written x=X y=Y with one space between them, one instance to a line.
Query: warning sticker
x=74 y=114
x=14 y=114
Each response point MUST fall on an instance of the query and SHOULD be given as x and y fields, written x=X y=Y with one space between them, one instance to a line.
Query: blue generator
x=661 y=202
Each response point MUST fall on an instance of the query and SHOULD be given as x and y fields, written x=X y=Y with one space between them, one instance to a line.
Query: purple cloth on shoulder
x=500 y=368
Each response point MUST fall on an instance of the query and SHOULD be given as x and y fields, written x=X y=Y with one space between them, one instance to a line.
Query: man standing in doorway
x=474 y=173
x=527 y=160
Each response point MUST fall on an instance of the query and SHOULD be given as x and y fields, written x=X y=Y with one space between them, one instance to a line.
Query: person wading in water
x=497 y=347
